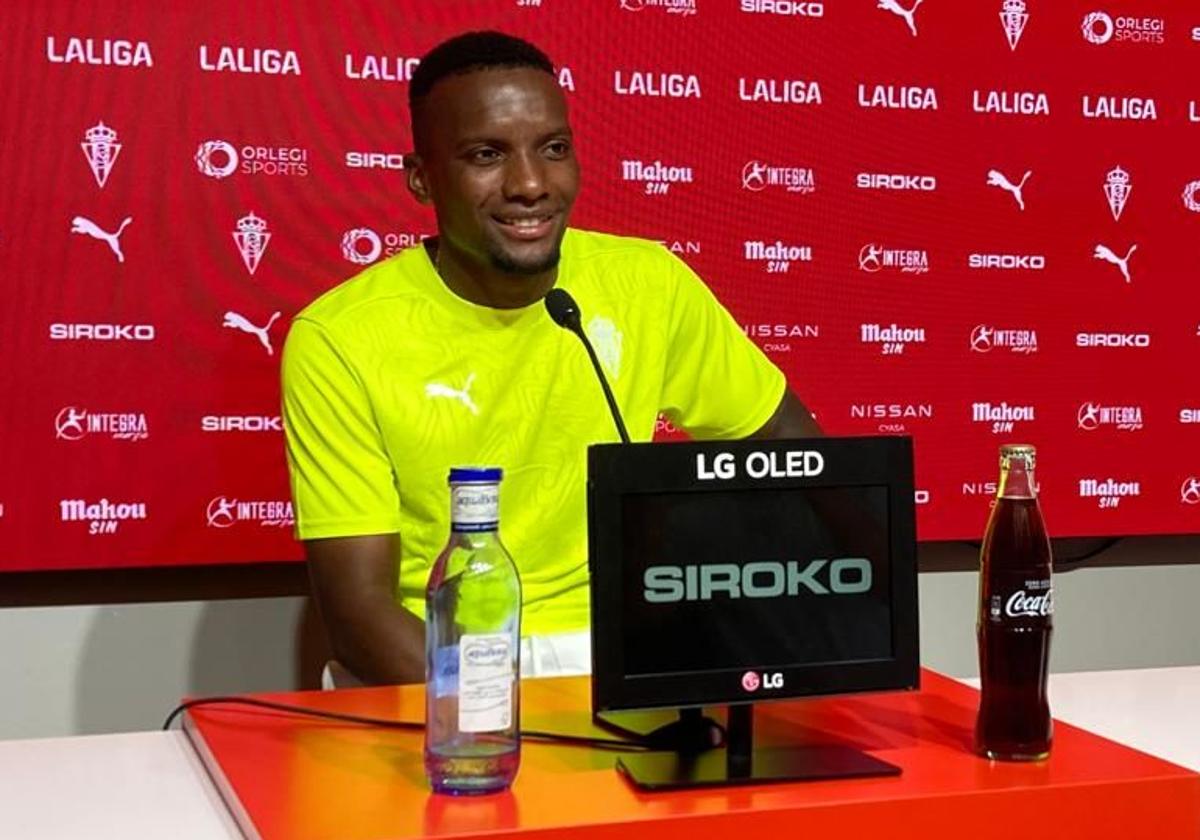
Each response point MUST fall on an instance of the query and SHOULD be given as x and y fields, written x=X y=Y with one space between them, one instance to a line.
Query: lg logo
x=751 y=681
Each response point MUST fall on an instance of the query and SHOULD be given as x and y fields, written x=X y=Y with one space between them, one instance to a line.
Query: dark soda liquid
x=1014 y=652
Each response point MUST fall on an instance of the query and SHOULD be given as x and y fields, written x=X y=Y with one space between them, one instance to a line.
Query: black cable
x=388 y=723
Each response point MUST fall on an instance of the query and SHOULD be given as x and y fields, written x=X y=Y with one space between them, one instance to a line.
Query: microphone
x=565 y=312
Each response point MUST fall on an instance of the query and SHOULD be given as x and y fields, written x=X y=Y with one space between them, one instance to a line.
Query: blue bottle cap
x=464 y=475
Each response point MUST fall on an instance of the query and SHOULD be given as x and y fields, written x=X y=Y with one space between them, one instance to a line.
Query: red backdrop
x=254 y=148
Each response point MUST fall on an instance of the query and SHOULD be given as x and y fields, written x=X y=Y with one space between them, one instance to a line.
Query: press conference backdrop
x=968 y=222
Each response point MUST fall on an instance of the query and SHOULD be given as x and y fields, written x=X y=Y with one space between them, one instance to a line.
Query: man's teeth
x=525 y=223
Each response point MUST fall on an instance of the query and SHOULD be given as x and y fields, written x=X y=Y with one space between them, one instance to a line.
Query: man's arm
x=353 y=580
x=790 y=420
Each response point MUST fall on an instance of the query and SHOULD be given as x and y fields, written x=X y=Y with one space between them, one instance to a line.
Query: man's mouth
x=526 y=226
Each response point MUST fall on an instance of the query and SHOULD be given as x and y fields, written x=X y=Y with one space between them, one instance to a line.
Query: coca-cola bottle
x=1014 y=622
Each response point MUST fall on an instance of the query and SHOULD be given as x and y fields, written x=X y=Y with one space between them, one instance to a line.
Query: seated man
x=444 y=355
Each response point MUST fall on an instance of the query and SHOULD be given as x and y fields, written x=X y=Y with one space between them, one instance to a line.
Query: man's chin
x=527 y=265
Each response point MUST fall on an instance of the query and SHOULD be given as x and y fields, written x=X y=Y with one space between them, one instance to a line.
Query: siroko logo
x=1139 y=340
x=101 y=149
x=759 y=579
x=1189 y=416
x=72 y=423
x=1007 y=262
x=251 y=238
x=102 y=332
x=393 y=161
x=224 y=512
x=984 y=338
x=888 y=181
x=788 y=8
x=1101 y=28
x=1013 y=18
x=241 y=423
x=758 y=176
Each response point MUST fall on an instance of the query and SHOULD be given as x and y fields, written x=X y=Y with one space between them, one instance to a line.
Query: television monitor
x=733 y=573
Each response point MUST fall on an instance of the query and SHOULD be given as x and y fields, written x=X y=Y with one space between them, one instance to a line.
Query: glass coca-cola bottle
x=1014 y=621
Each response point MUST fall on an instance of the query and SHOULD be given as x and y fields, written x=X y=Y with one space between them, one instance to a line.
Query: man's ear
x=414 y=173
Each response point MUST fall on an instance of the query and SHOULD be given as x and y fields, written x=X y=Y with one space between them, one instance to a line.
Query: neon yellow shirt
x=390 y=379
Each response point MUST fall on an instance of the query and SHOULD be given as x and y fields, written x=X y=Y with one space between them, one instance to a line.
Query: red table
x=295 y=778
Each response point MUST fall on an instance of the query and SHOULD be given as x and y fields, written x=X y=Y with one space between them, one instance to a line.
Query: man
x=444 y=355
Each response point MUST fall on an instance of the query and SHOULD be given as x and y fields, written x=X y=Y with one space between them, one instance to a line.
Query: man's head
x=494 y=155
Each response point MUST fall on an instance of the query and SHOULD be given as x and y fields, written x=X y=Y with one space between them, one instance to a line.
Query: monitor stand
x=698 y=765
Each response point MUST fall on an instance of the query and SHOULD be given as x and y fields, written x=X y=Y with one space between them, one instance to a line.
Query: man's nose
x=525 y=177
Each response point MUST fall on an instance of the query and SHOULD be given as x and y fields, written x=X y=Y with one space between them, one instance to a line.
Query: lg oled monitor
x=736 y=572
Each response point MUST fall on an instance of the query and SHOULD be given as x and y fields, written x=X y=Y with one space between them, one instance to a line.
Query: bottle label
x=485 y=682
x=474 y=507
x=1020 y=598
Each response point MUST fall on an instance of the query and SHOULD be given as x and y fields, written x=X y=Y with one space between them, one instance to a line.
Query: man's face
x=497 y=161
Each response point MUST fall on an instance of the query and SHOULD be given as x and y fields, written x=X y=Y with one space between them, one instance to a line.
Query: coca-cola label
x=1020 y=598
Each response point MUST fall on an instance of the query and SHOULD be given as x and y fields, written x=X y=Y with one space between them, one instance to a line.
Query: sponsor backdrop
x=969 y=222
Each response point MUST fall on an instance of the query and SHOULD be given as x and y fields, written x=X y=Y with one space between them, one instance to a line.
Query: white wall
x=90 y=669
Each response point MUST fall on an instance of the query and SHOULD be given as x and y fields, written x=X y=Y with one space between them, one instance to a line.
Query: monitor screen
x=732 y=572
x=787 y=578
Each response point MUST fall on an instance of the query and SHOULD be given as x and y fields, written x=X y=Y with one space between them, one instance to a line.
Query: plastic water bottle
x=472 y=646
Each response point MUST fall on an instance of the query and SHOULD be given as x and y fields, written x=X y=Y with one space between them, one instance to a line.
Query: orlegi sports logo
x=1007 y=262
x=874 y=257
x=655 y=176
x=363 y=246
x=219 y=159
x=684 y=8
x=779 y=91
x=776 y=257
x=782 y=8
x=1101 y=28
x=103 y=516
x=1092 y=416
x=241 y=423
x=224 y=512
x=256 y=61
x=380 y=68
x=758 y=176
x=760 y=579
x=1001 y=418
x=112 y=52
x=892 y=339
x=1123 y=340
x=897 y=97
x=74 y=423
x=662 y=85
x=893 y=181
x=101 y=332
x=892 y=418
x=388 y=161
x=1108 y=492
x=985 y=338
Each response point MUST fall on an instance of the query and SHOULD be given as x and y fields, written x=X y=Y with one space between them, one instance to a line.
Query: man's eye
x=558 y=149
x=484 y=156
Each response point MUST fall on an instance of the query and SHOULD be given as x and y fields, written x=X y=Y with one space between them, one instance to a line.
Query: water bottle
x=472 y=646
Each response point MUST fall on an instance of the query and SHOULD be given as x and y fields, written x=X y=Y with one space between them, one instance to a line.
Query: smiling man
x=444 y=355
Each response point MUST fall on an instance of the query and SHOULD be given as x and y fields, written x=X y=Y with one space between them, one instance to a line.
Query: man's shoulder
x=586 y=246
x=390 y=281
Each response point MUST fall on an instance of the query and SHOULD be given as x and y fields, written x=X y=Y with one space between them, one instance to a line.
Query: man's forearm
x=384 y=645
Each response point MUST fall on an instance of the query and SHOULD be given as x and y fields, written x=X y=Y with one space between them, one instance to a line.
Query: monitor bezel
x=615 y=470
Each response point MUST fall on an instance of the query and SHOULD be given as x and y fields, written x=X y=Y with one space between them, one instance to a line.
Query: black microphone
x=565 y=312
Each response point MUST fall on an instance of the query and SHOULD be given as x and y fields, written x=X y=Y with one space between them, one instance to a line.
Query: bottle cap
x=474 y=475
x=1025 y=451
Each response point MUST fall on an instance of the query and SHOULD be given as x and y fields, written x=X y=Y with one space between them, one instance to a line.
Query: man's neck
x=491 y=288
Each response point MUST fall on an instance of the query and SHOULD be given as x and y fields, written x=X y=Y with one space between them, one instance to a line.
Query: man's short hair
x=473 y=51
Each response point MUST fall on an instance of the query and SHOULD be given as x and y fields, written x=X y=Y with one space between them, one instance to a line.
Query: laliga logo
x=68 y=424
x=1098 y=28
x=1189 y=492
x=220 y=512
x=206 y=164
x=351 y=250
